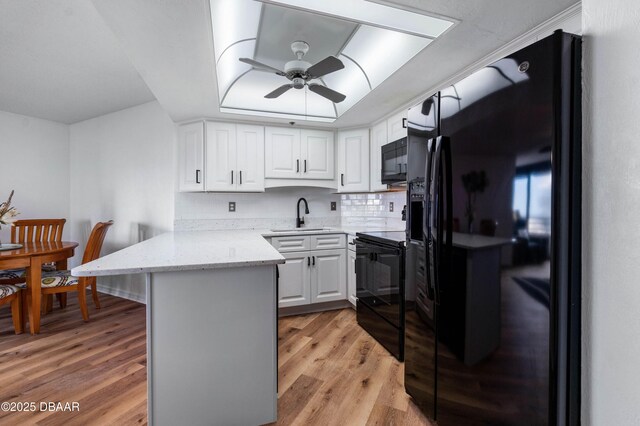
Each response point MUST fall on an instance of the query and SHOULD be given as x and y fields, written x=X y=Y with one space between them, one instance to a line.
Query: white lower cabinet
x=328 y=276
x=316 y=273
x=294 y=284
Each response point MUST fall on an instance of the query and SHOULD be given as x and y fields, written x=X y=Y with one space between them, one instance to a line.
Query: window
x=532 y=200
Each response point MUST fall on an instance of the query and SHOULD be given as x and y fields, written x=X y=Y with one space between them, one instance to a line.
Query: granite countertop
x=183 y=251
x=349 y=229
x=191 y=250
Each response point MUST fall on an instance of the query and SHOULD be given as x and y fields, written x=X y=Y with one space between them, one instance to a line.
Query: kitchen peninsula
x=211 y=324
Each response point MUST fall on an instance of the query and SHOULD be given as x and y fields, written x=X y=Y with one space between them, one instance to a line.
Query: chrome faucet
x=299 y=221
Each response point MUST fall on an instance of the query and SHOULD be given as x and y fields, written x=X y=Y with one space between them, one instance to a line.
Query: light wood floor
x=331 y=372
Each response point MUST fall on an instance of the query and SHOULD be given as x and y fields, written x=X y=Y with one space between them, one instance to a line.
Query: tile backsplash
x=373 y=209
x=276 y=208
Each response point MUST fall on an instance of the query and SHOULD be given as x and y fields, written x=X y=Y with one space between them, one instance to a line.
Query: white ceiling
x=60 y=62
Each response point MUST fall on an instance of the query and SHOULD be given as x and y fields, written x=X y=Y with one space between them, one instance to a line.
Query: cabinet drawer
x=324 y=242
x=292 y=243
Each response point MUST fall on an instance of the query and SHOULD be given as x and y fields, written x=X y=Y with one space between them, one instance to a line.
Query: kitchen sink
x=301 y=230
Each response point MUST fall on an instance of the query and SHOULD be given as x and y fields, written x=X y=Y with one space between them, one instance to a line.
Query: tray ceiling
x=370 y=52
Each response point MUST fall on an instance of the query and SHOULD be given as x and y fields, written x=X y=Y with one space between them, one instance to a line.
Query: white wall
x=611 y=198
x=34 y=161
x=123 y=168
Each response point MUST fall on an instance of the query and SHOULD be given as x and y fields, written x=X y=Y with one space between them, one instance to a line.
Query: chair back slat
x=96 y=239
x=37 y=230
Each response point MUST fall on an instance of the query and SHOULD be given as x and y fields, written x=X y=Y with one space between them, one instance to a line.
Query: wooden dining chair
x=37 y=230
x=11 y=294
x=62 y=282
x=32 y=230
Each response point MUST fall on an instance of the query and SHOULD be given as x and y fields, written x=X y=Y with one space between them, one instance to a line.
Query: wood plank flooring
x=330 y=371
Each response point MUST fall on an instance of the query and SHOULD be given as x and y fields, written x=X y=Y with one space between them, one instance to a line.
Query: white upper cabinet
x=298 y=154
x=282 y=152
x=378 y=139
x=235 y=157
x=221 y=156
x=353 y=161
x=191 y=157
x=317 y=154
x=250 y=158
x=397 y=126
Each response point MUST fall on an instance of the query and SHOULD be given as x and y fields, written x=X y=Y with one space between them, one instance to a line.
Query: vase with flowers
x=7 y=213
x=473 y=183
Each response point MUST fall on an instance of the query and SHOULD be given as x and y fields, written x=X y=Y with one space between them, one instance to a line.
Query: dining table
x=31 y=256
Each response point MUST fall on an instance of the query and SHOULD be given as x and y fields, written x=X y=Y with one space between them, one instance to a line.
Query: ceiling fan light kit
x=301 y=72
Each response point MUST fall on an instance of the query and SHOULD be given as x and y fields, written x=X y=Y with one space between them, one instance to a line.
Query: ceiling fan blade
x=324 y=91
x=279 y=91
x=325 y=66
x=261 y=66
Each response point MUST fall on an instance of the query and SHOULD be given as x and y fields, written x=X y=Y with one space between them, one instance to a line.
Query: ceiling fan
x=301 y=72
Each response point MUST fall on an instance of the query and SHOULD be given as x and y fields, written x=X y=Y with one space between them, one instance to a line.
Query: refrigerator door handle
x=427 y=208
x=447 y=262
x=435 y=224
x=444 y=220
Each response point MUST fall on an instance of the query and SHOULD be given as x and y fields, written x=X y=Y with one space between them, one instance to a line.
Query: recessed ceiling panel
x=281 y=26
x=379 y=67
x=351 y=80
x=370 y=52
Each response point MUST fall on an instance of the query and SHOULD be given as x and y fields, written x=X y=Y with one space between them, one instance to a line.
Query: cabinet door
x=294 y=282
x=250 y=158
x=378 y=139
x=221 y=157
x=396 y=126
x=353 y=161
x=328 y=275
x=282 y=153
x=191 y=157
x=351 y=276
x=316 y=149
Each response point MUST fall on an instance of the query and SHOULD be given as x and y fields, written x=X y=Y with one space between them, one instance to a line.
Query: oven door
x=380 y=285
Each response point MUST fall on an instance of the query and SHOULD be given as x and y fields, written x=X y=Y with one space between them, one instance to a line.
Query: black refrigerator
x=492 y=330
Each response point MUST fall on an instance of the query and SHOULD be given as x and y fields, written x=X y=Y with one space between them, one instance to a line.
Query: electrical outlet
x=333 y=206
x=232 y=206
x=390 y=206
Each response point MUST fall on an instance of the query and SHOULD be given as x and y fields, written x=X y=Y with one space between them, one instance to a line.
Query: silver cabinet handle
x=342 y=179
x=198 y=176
x=231 y=177
x=240 y=177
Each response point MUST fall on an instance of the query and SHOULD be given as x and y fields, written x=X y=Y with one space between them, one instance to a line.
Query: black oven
x=394 y=162
x=380 y=287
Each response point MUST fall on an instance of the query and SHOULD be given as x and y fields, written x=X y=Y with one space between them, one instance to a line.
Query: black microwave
x=394 y=162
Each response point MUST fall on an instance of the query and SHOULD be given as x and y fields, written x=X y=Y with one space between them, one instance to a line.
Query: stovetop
x=396 y=238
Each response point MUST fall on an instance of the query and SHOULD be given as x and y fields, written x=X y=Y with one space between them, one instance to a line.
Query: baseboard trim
x=135 y=297
x=316 y=307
